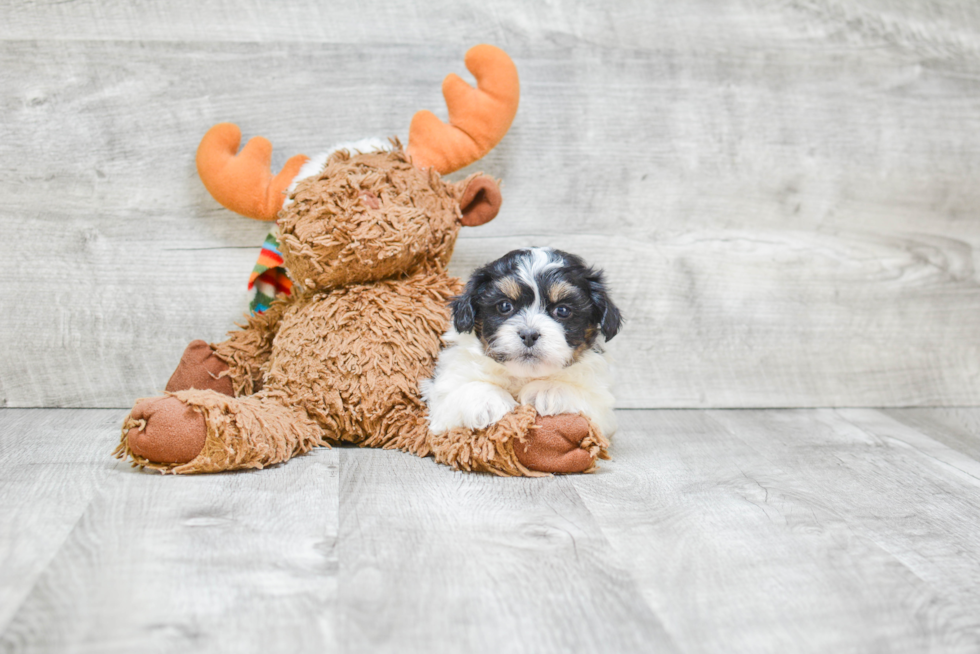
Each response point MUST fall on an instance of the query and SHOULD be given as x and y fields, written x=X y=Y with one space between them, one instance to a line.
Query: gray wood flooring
x=814 y=530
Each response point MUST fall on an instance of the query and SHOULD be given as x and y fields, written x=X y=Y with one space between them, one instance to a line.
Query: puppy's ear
x=464 y=305
x=607 y=314
x=464 y=313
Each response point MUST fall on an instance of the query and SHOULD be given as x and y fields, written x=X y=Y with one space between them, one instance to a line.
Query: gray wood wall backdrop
x=785 y=194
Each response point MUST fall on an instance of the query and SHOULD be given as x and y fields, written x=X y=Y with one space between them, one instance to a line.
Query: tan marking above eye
x=559 y=291
x=509 y=287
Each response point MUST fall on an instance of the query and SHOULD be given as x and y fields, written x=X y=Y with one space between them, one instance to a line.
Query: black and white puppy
x=527 y=329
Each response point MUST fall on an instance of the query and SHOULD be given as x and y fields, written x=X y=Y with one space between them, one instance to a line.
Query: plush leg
x=523 y=443
x=204 y=431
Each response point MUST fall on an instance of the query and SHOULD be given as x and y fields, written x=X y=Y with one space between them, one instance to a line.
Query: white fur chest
x=469 y=389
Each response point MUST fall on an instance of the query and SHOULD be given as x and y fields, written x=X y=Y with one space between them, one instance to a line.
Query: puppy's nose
x=529 y=336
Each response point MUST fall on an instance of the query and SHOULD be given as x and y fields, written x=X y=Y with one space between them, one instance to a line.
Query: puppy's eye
x=562 y=312
x=504 y=307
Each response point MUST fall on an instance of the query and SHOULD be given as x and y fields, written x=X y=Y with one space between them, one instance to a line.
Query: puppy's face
x=536 y=310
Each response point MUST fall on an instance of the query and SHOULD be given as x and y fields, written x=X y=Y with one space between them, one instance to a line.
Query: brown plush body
x=367 y=241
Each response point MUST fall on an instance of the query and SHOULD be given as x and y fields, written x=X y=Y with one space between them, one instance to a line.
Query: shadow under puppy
x=529 y=328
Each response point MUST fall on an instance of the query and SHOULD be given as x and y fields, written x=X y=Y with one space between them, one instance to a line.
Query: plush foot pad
x=200 y=368
x=167 y=431
x=555 y=444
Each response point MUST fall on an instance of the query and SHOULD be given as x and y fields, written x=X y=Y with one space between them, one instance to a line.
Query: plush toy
x=366 y=238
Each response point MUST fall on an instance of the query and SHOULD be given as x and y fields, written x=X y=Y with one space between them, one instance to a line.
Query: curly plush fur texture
x=367 y=241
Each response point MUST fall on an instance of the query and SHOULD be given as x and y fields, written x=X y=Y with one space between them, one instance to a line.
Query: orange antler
x=244 y=182
x=478 y=118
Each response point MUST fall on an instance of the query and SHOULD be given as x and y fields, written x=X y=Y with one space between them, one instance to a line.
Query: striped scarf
x=268 y=277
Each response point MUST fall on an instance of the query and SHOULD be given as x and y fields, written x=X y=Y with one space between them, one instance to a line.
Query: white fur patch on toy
x=317 y=162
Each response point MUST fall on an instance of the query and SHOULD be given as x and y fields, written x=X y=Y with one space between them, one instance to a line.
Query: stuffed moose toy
x=366 y=238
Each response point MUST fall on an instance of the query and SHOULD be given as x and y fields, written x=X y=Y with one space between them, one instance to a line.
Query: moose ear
x=480 y=201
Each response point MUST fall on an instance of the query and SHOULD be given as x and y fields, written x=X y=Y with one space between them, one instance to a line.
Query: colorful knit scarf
x=268 y=277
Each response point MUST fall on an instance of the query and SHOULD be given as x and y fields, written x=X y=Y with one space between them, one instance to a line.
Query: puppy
x=527 y=329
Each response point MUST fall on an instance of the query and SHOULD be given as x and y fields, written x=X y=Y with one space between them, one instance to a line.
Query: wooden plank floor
x=710 y=531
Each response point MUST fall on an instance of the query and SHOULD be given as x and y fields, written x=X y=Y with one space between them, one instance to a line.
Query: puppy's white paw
x=475 y=405
x=487 y=407
x=549 y=398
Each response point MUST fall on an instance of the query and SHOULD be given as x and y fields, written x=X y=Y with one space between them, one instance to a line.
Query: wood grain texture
x=944 y=26
x=784 y=195
x=957 y=428
x=434 y=560
x=777 y=531
x=220 y=563
x=794 y=531
x=53 y=463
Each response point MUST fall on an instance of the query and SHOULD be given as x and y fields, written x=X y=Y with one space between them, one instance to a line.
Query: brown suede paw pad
x=200 y=368
x=555 y=444
x=165 y=430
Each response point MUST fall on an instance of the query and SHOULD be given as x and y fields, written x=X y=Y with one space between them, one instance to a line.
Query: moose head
x=368 y=216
